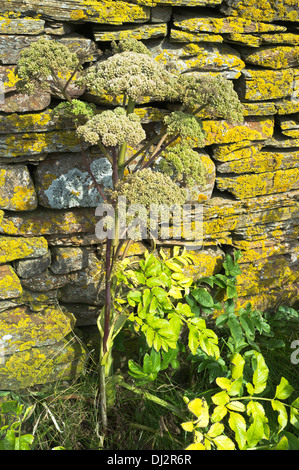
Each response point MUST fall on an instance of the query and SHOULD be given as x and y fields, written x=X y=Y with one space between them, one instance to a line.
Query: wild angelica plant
x=132 y=77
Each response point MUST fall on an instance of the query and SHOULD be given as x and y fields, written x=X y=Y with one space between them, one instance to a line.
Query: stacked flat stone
x=50 y=259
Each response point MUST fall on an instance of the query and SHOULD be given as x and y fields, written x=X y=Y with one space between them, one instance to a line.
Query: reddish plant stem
x=107 y=294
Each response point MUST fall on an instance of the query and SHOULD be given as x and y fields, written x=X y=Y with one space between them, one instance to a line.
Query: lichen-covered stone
x=221 y=24
x=29 y=122
x=106 y=11
x=68 y=259
x=10 y=285
x=178 y=35
x=244 y=39
x=12 y=248
x=252 y=185
x=43 y=222
x=197 y=57
x=17 y=192
x=265 y=84
x=65 y=182
x=287 y=106
x=280 y=38
x=63 y=360
x=236 y=151
x=45 y=281
x=260 y=108
x=31 y=144
x=19 y=102
x=85 y=286
x=33 y=267
x=137 y=32
x=262 y=162
x=28 y=26
x=221 y=132
x=273 y=57
x=259 y=10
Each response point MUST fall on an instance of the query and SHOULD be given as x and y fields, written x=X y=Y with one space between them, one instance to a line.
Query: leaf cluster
x=236 y=421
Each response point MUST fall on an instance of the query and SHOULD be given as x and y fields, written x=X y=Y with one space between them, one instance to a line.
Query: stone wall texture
x=50 y=259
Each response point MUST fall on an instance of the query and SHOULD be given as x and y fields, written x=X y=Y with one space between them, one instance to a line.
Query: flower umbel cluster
x=148 y=187
x=182 y=164
x=215 y=94
x=113 y=128
x=40 y=62
x=133 y=74
x=186 y=125
x=78 y=111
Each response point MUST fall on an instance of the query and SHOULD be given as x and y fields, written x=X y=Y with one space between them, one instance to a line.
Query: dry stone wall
x=50 y=268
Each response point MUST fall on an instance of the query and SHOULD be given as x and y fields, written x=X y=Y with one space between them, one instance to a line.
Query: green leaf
x=238 y=425
x=231 y=292
x=235 y=328
x=284 y=389
x=282 y=414
x=260 y=374
x=224 y=443
x=237 y=366
x=283 y=444
x=135 y=370
x=215 y=430
x=8 y=442
x=220 y=398
x=200 y=409
x=236 y=406
x=293 y=441
x=218 y=413
x=255 y=432
x=11 y=406
x=24 y=442
x=203 y=297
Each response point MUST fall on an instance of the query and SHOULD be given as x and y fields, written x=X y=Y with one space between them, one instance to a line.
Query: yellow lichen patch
x=44 y=364
x=15 y=123
x=266 y=84
x=10 y=78
x=107 y=11
x=244 y=39
x=19 y=248
x=252 y=185
x=177 y=35
x=232 y=152
x=17 y=191
x=26 y=25
x=137 y=32
x=10 y=285
x=37 y=142
x=273 y=57
x=272 y=10
x=262 y=162
x=220 y=132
